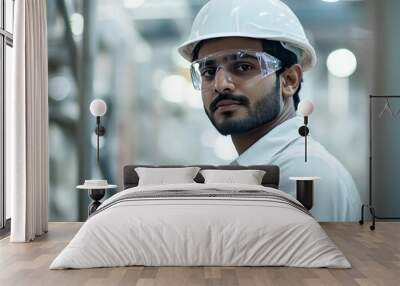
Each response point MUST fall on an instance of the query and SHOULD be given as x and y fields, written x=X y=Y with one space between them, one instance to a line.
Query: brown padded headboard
x=270 y=179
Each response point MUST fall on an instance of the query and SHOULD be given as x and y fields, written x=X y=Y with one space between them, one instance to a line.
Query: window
x=6 y=44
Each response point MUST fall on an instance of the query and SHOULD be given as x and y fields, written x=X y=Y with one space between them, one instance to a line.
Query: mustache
x=229 y=96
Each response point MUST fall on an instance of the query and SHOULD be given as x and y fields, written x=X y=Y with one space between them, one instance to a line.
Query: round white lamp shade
x=98 y=107
x=305 y=107
x=342 y=63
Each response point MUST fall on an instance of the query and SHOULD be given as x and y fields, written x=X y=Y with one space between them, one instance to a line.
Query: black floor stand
x=370 y=206
x=374 y=216
x=372 y=211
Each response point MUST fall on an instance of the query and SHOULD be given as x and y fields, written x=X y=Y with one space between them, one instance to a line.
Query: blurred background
x=124 y=52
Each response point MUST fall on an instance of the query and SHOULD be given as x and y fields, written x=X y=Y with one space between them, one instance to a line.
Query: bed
x=201 y=224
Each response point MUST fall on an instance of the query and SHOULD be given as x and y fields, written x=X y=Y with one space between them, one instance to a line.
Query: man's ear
x=291 y=79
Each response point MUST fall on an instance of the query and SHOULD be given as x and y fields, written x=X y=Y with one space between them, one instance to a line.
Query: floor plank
x=374 y=255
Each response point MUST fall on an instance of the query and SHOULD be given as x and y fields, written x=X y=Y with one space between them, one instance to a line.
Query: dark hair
x=274 y=48
x=288 y=58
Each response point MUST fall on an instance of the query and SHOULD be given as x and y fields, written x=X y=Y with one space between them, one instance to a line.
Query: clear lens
x=238 y=65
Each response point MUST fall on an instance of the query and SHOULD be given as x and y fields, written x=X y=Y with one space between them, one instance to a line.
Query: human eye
x=243 y=67
x=208 y=72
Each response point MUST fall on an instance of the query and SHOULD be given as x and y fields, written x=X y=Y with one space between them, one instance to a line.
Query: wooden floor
x=375 y=256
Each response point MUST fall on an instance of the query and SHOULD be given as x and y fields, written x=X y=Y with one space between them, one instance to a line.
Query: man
x=248 y=59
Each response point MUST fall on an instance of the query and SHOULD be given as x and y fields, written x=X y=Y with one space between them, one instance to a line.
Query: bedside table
x=305 y=190
x=96 y=192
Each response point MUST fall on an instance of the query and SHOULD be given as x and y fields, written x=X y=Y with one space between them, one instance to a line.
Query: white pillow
x=248 y=177
x=165 y=176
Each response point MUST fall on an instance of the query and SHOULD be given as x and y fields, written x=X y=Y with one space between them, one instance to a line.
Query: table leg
x=96 y=195
x=304 y=193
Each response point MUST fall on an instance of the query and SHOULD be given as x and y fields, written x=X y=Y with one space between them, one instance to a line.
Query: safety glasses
x=238 y=65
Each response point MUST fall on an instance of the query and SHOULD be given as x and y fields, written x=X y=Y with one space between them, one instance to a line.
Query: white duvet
x=202 y=231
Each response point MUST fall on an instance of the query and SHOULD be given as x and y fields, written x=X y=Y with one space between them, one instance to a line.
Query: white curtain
x=27 y=123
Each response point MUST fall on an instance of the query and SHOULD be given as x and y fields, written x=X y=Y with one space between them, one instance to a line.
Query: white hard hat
x=260 y=19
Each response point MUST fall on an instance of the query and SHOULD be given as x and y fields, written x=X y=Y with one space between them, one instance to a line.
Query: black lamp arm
x=304 y=131
x=100 y=131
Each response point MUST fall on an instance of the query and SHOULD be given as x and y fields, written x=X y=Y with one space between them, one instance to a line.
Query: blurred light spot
x=338 y=96
x=71 y=109
x=331 y=1
x=94 y=141
x=173 y=88
x=235 y=10
x=224 y=149
x=60 y=87
x=77 y=24
x=193 y=97
x=342 y=63
x=132 y=4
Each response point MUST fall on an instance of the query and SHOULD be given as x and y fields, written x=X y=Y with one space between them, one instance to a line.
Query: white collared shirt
x=335 y=194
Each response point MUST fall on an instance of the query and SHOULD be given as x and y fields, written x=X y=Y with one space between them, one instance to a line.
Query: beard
x=265 y=110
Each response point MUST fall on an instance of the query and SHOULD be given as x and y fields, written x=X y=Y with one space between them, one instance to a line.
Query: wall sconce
x=305 y=107
x=98 y=108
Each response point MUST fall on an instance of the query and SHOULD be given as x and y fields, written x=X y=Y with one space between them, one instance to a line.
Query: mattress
x=201 y=225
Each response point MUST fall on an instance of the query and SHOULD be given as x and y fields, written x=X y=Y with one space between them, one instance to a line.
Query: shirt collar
x=271 y=143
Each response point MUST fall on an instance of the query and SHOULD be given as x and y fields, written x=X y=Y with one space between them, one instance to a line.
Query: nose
x=223 y=81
